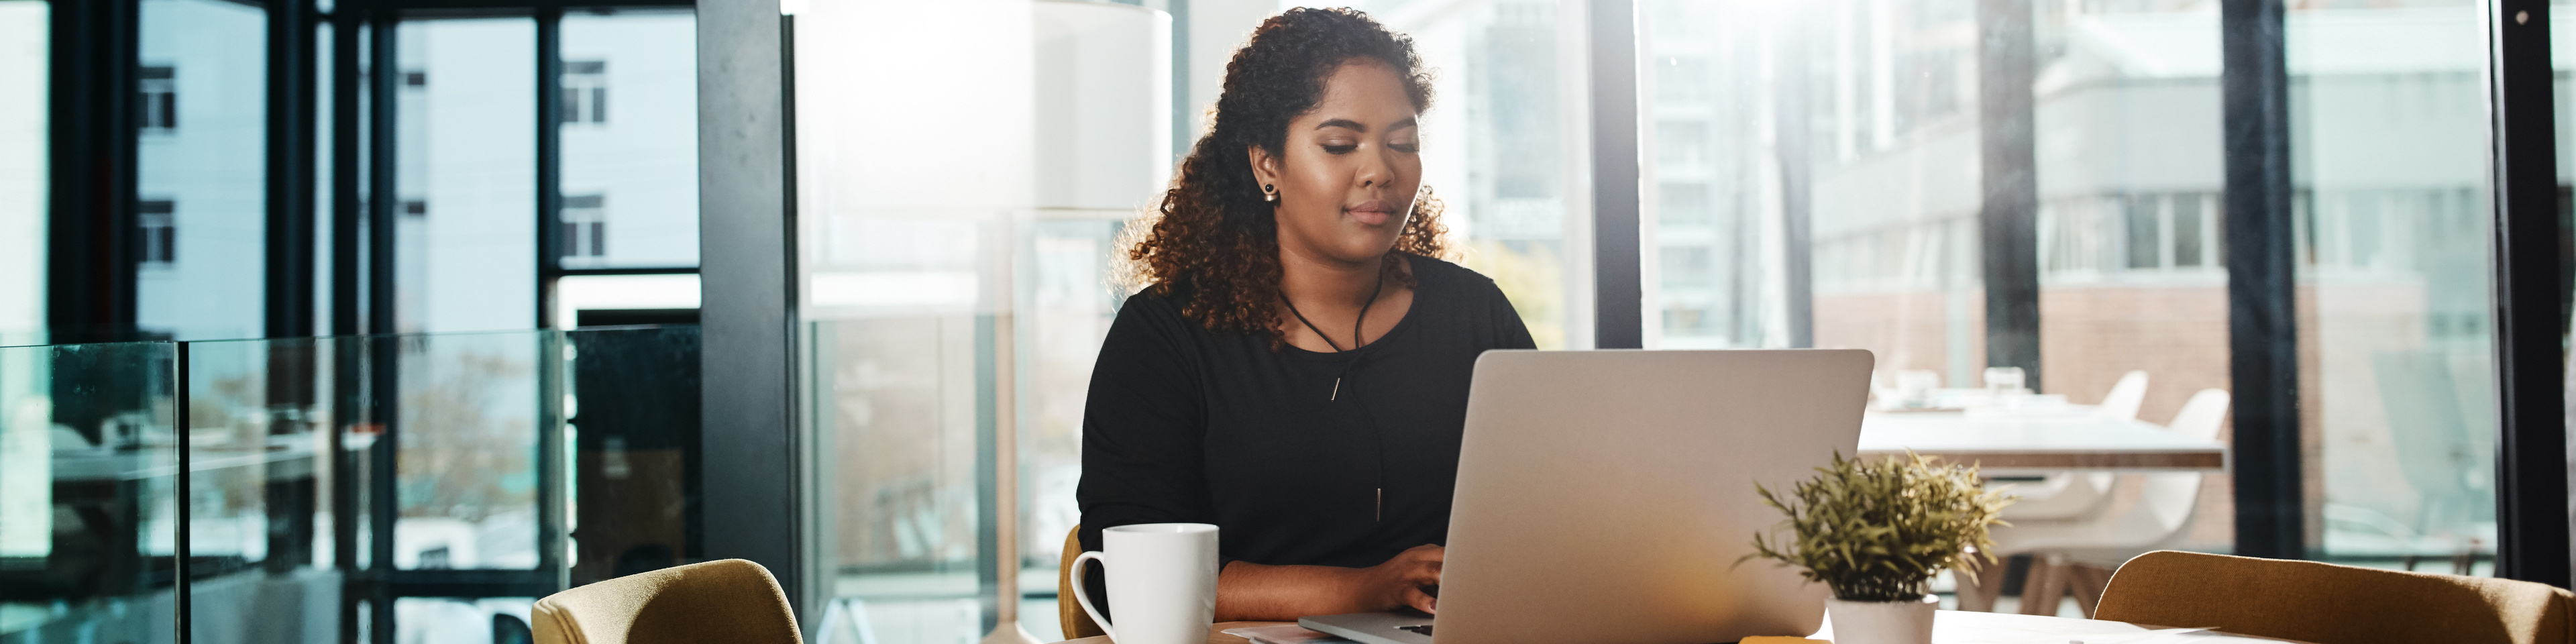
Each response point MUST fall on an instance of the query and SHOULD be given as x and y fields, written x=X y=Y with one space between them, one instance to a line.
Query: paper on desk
x=1290 y=634
x=2158 y=636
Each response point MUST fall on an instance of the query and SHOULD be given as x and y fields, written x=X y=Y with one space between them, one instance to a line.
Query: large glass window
x=630 y=140
x=465 y=161
x=1827 y=174
x=1878 y=146
x=201 y=162
x=2390 y=139
x=1504 y=149
x=1857 y=118
x=324 y=163
x=2562 y=58
x=23 y=60
x=627 y=115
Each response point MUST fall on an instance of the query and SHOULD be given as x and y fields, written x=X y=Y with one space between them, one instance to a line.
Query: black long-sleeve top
x=1188 y=425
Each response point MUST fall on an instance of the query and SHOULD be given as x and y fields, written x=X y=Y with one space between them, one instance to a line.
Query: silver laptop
x=1605 y=496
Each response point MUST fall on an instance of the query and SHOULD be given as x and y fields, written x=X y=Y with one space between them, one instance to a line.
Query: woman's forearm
x=1247 y=591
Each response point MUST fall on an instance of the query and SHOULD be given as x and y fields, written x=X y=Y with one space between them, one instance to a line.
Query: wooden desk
x=1962 y=627
x=1215 y=633
x=1948 y=627
x=2039 y=443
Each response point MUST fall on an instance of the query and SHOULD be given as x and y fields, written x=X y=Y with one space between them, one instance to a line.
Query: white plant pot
x=1881 y=622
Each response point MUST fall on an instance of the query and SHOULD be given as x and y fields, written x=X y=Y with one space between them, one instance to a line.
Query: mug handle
x=1082 y=592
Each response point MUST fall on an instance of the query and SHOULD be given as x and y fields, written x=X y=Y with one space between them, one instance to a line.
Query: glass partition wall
x=404 y=488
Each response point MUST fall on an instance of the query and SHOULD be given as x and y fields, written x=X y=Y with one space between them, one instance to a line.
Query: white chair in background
x=2079 y=555
x=2067 y=496
x=2125 y=397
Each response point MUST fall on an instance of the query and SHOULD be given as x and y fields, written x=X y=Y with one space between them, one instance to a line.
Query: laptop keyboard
x=1424 y=629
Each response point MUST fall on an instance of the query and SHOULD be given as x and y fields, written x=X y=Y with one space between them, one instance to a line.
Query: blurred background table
x=2039 y=442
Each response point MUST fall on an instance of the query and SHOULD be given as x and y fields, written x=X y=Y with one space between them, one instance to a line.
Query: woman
x=1296 y=373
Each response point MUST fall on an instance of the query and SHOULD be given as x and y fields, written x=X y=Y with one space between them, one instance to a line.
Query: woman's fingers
x=1424 y=575
x=1412 y=571
x=1421 y=601
x=1427 y=561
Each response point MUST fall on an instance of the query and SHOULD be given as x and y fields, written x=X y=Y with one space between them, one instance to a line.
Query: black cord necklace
x=1378 y=513
x=1356 y=330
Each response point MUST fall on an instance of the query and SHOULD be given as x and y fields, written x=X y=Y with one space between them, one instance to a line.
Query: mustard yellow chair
x=2331 y=604
x=1068 y=610
x=718 y=601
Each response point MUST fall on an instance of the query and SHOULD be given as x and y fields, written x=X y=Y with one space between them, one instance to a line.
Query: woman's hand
x=1247 y=591
x=1402 y=580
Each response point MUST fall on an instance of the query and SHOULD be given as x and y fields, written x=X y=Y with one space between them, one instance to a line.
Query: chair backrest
x=1068 y=610
x=2318 y=602
x=2125 y=397
x=2201 y=416
x=2169 y=499
x=718 y=601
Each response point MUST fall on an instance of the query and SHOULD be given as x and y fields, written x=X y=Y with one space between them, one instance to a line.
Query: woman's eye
x=1340 y=149
x=1407 y=147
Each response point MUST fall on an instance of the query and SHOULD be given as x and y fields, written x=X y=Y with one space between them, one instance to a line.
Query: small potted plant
x=1876 y=533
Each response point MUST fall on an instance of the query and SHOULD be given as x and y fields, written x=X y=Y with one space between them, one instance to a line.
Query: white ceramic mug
x=1162 y=578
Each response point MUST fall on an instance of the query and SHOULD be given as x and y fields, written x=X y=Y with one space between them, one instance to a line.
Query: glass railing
x=412 y=488
x=903 y=431
x=89 y=492
x=929 y=413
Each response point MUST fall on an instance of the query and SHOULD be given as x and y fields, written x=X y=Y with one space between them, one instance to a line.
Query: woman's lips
x=1371 y=213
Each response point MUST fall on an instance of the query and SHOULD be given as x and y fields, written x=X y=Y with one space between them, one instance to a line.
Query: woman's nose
x=1373 y=171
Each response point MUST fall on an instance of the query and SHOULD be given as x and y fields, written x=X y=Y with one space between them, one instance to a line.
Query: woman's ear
x=1265 y=169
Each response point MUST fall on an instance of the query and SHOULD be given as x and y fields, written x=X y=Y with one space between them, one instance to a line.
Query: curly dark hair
x=1214 y=238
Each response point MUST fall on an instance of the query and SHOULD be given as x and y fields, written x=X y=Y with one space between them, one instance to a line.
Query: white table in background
x=1962 y=627
x=2039 y=442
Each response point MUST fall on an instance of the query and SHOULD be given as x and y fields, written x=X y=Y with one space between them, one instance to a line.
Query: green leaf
x=1880 y=530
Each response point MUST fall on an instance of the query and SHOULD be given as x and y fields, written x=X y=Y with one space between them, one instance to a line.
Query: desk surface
x=1948 y=627
x=2039 y=442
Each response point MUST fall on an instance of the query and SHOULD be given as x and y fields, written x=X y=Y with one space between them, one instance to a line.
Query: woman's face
x=1348 y=173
